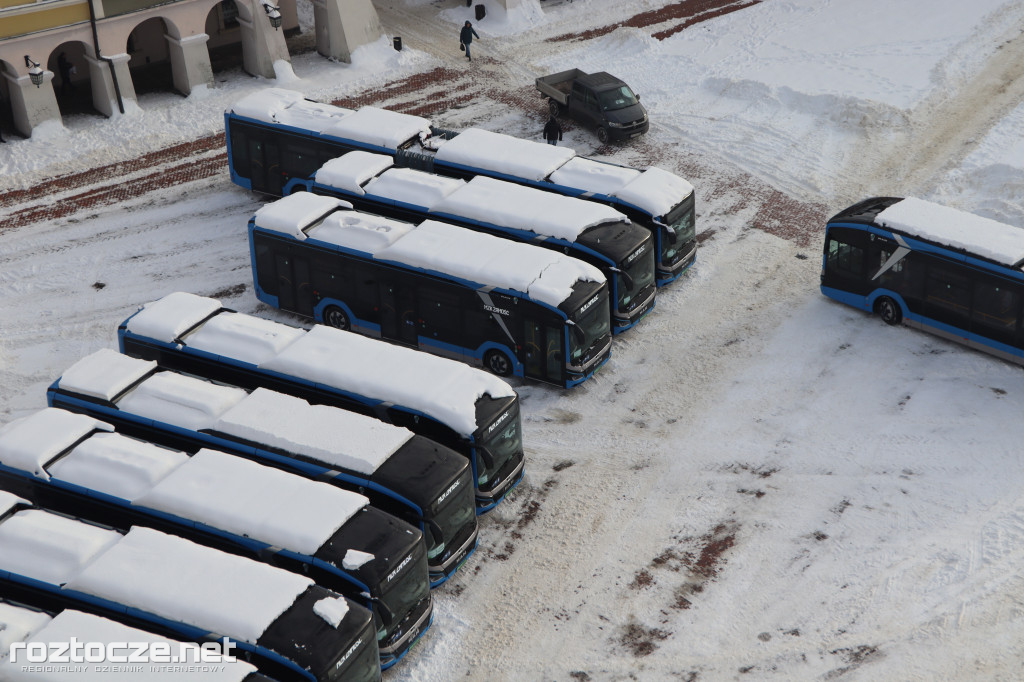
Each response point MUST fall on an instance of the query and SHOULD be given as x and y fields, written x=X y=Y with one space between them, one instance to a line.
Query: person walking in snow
x=552 y=131
x=466 y=37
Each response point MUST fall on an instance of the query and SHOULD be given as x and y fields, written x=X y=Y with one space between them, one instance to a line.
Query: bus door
x=398 y=313
x=294 y=291
x=542 y=352
x=265 y=160
x=846 y=261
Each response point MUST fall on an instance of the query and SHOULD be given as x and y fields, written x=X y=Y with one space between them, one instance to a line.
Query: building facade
x=52 y=48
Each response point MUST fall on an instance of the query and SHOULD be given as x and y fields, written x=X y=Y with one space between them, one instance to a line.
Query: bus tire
x=602 y=135
x=498 y=363
x=336 y=317
x=889 y=310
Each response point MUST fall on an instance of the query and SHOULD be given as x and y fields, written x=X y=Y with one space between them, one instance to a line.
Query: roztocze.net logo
x=78 y=652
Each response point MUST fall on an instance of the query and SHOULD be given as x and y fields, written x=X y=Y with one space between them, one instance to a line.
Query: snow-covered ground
x=761 y=484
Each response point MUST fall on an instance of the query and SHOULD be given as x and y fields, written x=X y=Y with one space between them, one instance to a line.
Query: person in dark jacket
x=552 y=131
x=466 y=37
x=65 y=68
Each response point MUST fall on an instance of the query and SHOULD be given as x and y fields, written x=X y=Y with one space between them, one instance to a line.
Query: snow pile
x=117 y=465
x=29 y=443
x=355 y=559
x=294 y=213
x=363 y=232
x=17 y=624
x=242 y=337
x=479 y=148
x=171 y=316
x=184 y=401
x=332 y=610
x=105 y=374
x=50 y=548
x=353 y=170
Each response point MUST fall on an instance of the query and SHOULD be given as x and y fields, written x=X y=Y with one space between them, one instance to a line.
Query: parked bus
x=52 y=630
x=275 y=136
x=283 y=623
x=596 y=234
x=931 y=267
x=463 y=408
x=233 y=504
x=409 y=476
x=510 y=307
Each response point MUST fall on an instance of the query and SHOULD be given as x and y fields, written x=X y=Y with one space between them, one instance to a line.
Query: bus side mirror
x=670 y=234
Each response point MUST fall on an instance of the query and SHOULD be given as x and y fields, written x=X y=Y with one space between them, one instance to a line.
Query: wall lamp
x=274 y=14
x=35 y=72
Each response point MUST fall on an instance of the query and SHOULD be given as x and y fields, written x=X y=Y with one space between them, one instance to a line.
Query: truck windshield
x=592 y=328
x=618 y=98
x=502 y=445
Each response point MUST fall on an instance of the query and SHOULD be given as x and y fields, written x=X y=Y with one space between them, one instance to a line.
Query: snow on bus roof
x=379 y=127
x=545 y=275
x=295 y=212
x=181 y=400
x=117 y=465
x=17 y=624
x=189 y=583
x=409 y=186
x=30 y=442
x=593 y=176
x=86 y=627
x=104 y=374
x=656 y=191
x=287 y=107
x=327 y=434
x=360 y=231
x=9 y=501
x=441 y=388
x=353 y=170
x=524 y=208
x=502 y=153
x=255 y=501
x=49 y=547
x=171 y=316
x=987 y=238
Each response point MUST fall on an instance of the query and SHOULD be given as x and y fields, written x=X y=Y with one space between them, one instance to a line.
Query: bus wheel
x=498 y=362
x=336 y=317
x=888 y=310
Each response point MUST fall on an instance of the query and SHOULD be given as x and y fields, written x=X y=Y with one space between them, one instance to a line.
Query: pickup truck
x=599 y=100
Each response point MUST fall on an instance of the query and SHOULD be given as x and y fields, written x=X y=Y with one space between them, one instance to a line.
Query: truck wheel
x=555 y=108
x=602 y=135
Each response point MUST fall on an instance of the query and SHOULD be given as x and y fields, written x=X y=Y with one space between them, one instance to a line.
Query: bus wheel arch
x=888 y=310
x=498 y=363
x=335 y=316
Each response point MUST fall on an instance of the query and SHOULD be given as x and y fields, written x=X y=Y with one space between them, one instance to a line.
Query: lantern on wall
x=35 y=72
x=274 y=14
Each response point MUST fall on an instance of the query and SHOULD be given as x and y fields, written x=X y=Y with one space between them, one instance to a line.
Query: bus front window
x=402 y=596
x=634 y=278
x=503 y=445
x=589 y=330
x=682 y=229
x=456 y=512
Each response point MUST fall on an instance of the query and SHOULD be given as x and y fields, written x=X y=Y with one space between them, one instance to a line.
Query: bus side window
x=996 y=308
x=265 y=268
x=553 y=354
x=845 y=258
x=440 y=315
x=240 y=149
x=299 y=159
x=948 y=293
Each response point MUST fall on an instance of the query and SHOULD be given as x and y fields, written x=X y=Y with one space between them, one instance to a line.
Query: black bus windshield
x=403 y=596
x=681 y=222
x=363 y=665
x=502 y=445
x=456 y=512
x=635 y=277
x=590 y=329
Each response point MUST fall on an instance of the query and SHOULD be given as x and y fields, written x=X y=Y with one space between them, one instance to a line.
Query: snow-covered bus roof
x=987 y=238
x=290 y=108
x=220 y=490
x=369 y=125
x=9 y=501
x=438 y=387
x=483 y=199
x=17 y=624
x=35 y=626
x=545 y=275
x=653 y=190
x=149 y=570
x=326 y=434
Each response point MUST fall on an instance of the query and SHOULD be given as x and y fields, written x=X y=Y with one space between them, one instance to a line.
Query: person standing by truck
x=552 y=131
x=466 y=37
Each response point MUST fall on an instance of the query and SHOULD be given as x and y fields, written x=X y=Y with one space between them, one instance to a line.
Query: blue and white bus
x=510 y=307
x=417 y=480
x=29 y=635
x=283 y=623
x=275 y=136
x=952 y=273
x=466 y=409
x=593 y=233
x=77 y=466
